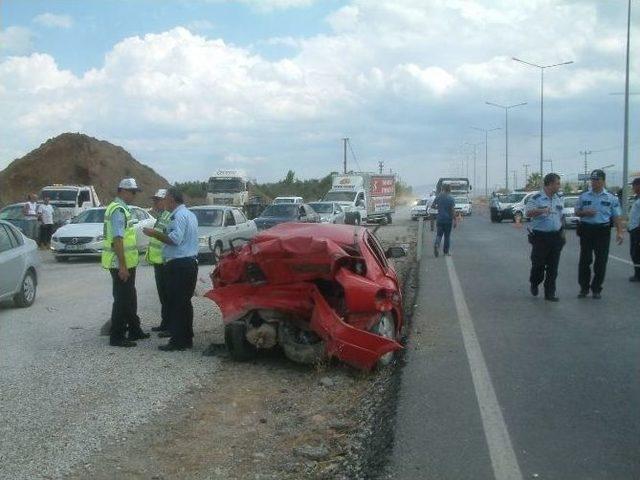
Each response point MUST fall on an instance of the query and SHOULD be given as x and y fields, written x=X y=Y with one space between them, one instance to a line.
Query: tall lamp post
x=506 y=109
x=475 y=157
x=542 y=68
x=486 y=156
x=625 y=151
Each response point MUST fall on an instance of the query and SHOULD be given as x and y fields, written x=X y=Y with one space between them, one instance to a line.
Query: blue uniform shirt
x=604 y=203
x=634 y=215
x=548 y=222
x=117 y=220
x=183 y=232
x=445 y=205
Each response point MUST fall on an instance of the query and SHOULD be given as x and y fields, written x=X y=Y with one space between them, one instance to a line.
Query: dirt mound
x=77 y=159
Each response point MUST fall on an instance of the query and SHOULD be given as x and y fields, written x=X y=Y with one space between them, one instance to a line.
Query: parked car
x=569 y=218
x=19 y=263
x=463 y=205
x=420 y=209
x=520 y=208
x=318 y=291
x=219 y=227
x=13 y=214
x=275 y=214
x=279 y=200
x=330 y=212
x=506 y=205
x=84 y=234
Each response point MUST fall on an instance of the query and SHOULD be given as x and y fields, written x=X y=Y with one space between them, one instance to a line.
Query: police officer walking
x=180 y=269
x=597 y=208
x=545 y=210
x=155 y=257
x=634 y=231
x=120 y=257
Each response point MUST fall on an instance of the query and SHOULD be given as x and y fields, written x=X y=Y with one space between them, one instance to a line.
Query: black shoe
x=174 y=347
x=634 y=279
x=138 y=336
x=164 y=334
x=159 y=329
x=583 y=294
x=122 y=343
x=534 y=290
x=596 y=296
x=436 y=252
x=551 y=298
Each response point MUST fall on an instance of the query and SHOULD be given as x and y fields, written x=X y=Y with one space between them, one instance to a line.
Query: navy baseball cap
x=597 y=174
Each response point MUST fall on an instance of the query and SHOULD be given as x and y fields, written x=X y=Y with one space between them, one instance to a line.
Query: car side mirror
x=395 y=252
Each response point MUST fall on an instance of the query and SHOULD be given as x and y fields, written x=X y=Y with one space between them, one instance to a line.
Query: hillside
x=75 y=158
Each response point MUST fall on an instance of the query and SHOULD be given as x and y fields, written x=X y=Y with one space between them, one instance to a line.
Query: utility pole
x=515 y=179
x=486 y=156
x=344 y=162
x=625 y=152
x=586 y=165
x=380 y=165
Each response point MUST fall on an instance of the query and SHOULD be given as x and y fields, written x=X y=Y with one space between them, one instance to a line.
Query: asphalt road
x=499 y=384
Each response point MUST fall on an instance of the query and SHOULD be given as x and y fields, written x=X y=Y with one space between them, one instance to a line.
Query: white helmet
x=129 y=184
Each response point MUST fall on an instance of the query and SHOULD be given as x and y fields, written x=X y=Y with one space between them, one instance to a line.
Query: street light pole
x=486 y=156
x=526 y=173
x=625 y=151
x=506 y=137
x=542 y=68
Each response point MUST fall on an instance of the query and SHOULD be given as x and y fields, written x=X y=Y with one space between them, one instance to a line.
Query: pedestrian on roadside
x=432 y=219
x=445 y=220
x=120 y=257
x=634 y=231
x=155 y=257
x=45 y=215
x=546 y=237
x=180 y=269
x=597 y=208
x=30 y=214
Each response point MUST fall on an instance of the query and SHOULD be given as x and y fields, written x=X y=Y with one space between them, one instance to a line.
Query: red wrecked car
x=317 y=290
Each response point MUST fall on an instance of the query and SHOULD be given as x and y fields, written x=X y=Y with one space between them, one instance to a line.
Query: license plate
x=74 y=247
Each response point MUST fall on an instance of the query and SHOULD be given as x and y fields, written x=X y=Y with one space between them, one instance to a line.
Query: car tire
x=61 y=259
x=389 y=219
x=385 y=327
x=27 y=294
x=235 y=338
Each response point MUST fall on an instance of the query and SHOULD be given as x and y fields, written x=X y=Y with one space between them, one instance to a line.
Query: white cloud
x=403 y=78
x=16 y=40
x=53 y=20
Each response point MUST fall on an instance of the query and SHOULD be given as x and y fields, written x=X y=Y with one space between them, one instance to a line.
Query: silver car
x=19 y=262
x=330 y=212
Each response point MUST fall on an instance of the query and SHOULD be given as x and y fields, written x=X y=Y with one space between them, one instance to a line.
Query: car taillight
x=386 y=299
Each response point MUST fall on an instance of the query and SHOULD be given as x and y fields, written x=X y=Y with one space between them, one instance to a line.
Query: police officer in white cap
x=155 y=257
x=120 y=257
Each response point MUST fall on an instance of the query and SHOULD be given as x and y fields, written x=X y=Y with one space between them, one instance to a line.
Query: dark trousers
x=634 y=247
x=45 y=233
x=124 y=313
x=443 y=229
x=594 y=242
x=163 y=295
x=181 y=275
x=545 y=256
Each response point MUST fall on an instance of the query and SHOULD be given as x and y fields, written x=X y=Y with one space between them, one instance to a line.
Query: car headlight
x=99 y=238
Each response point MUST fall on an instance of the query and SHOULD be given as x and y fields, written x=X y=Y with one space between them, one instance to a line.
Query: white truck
x=70 y=200
x=364 y=196
x=228 y=187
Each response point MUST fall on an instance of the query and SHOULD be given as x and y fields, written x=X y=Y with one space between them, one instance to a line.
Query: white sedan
x=220 y=229
x=83 y=236
x=330 y=212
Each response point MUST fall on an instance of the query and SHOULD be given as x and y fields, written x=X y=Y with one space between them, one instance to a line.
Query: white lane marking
x=623 y=260
x=503 y=458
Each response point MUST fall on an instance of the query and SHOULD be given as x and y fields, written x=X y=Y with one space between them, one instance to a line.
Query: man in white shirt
x=45 y=215
x=30 y=214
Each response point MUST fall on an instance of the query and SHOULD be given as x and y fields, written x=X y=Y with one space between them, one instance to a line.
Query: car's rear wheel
x=385 y=327
x=27 y=294
x=235 y=338
x=217 y=252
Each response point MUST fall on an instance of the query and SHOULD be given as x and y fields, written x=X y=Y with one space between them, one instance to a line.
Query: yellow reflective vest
x=109 y=257
x=154 y=250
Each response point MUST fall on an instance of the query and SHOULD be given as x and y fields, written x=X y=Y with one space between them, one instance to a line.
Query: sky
x=190 y=86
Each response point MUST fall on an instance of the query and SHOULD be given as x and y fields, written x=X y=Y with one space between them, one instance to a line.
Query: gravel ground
x=75 y=408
